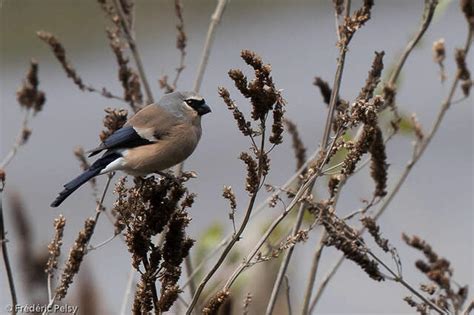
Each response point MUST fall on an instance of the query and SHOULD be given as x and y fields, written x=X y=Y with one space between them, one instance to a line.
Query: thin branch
x=430 y=6
x=236 y=236
x=469 y=308
x=312 y=274
x=189 y=271
x=325 y=282
x=128 y=290
x=326 y=136
x=18 y=142
x=215 y=19
x=104 y=92
x=206 y=52
x=288 y=297
x=399 y=278
x=6 y=260
x=133 y=47
x=103 y=243
x=98 y=211
x=417 y=153
x=296 y=199
x=8 y=158
x=180 y=40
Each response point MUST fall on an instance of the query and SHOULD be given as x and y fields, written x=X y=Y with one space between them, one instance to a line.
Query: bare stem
x=417 y=153
x=468 y=308
x=8 y=158
x=236 y=236
x=206 y=52
x=133 y=47
x=326 y=136
x=98 y=211
x=215 y=19
x=296 y=199
x=18 y=142
x=128 y=290
x=189 y=271
x=312 y=274
x=6 y=260
x=398 y=278
x=430 y=6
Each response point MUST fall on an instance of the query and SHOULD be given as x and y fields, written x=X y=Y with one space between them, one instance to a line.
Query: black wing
x=125 y=137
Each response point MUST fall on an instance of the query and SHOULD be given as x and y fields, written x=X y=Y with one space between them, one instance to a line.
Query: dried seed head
x=357 y=150
x=373 y=78
x=143 y=301
x=389 y=93
x=421 y=308
x=252 y=180
x=2 y=178
x=213 y=305
x=75 y=258
x=333 y=184
x=374 y=231
x=324 y=89
x=54 y=247
x=428 y=288
x=181 y=38
x=240 y=81
x=354 y=22
x=439 y=54
x=229 y=195
x=169 y=294
x=298 y=145
x=28 y=94
x=347 y=240
x=467 y=6
x=127 y=76
x=261 y=90
x=277 y=126
x=25 y=135
x=421 y=245
x=466 y=87
x=417 y=127
x=378 y=165
x=114 y=119
x=463 y=71
x=60 y=54
x=439 y=51
x=242 y=123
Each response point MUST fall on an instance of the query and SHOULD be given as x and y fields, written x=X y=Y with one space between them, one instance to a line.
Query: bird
x=157 y=137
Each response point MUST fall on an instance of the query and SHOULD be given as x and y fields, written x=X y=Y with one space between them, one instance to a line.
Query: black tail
x=77 y=182
x=73 y=185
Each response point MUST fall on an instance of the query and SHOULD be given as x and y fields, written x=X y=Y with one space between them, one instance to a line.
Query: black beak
x=204 y=109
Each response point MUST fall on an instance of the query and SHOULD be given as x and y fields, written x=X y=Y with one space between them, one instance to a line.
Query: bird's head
x=186 y=101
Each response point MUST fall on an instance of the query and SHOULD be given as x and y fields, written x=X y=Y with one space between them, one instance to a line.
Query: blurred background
x=298 y=39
